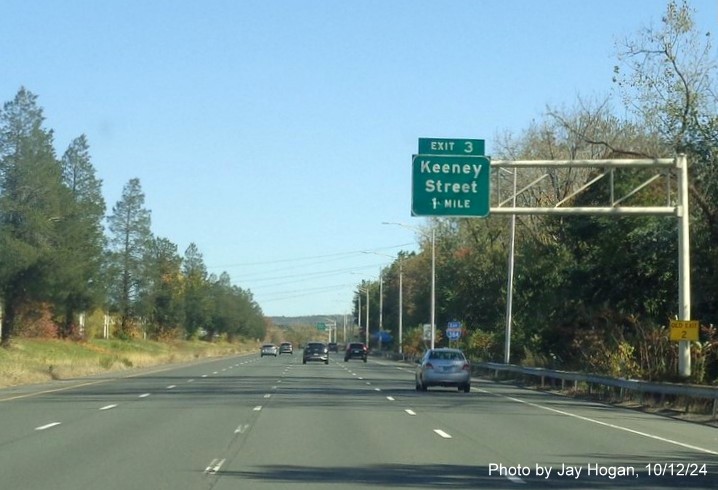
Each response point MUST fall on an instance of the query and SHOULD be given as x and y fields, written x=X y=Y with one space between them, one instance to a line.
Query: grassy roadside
x=29 y=361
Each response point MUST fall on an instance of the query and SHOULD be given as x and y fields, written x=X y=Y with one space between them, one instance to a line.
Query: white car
x=269 y=350
x=443 y=367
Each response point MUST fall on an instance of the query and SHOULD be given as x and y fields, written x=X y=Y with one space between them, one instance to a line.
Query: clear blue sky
x=277 y=134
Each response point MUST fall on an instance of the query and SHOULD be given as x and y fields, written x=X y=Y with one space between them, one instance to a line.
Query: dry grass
x=29 y=361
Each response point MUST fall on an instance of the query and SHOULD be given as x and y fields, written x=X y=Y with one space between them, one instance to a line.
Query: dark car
x=315 y=351
x=355 y=350
x=333 y=347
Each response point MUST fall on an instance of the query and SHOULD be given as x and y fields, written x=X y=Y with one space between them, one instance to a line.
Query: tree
x=82 y=239
x=163 y=299
x=130 y=237
x=32 y=200
x=196 y=293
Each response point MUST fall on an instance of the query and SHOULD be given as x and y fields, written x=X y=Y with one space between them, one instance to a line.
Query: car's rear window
x=356 y=346
x=447 y=356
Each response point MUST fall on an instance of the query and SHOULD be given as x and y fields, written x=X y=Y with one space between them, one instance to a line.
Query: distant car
x=286 y=348
x=333 y=347
x=269 y=350
x=443 y=367
x=355 y=350
x=315 y=351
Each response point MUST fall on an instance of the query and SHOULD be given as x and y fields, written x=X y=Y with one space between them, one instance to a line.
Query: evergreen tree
x=82 y=238
x=130 y=237
x=163 y=301
x=197 y=297
x=32 y=200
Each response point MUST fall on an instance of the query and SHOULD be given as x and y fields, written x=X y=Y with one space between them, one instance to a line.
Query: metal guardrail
x=636 y=385
x=675 y=389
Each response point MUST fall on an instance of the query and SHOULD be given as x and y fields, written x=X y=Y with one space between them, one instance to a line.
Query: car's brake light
x=429 y=365
x=465 y=367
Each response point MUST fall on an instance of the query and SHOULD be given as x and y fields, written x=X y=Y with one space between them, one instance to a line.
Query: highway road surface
x=271 y=423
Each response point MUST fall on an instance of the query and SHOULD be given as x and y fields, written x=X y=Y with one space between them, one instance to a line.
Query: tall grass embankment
x=29 y=361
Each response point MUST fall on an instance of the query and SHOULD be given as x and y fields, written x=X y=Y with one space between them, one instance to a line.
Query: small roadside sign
x=452 y=146
x=453 y=330
x=684 y=330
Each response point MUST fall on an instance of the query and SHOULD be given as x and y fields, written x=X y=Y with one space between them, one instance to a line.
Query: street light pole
x=401 y=306
x=433 y=287
x=367 y=317
x=510 y=285
x=401 y=297
x=433 y=274
x=381 y=306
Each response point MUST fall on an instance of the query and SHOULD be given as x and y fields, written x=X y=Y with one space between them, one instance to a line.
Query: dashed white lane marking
x=410 y=411
x=390 y=398
x=190 y=380
x=144 y=395
x=257 y=408
x=241 y=428
x=47 y=426
x=109 y=407
x=377 y=389
x=171 y=387
x=204 y=375
x=442 y=433
x=267 y=395
x=214 y=466
x=516 y=479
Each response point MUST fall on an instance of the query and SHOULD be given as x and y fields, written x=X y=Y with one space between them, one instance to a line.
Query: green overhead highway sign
x=321 y=326
x=444 y=146
x=450 y=185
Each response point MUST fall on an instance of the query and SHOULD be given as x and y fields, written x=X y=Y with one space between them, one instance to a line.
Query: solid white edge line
x=606 y=424
x=47 y=426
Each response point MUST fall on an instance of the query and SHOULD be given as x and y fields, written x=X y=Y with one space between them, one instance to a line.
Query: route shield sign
x=453 y=331
x=450 y=185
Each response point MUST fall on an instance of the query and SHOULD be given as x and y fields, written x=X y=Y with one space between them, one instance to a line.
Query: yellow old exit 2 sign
x=684 y=330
